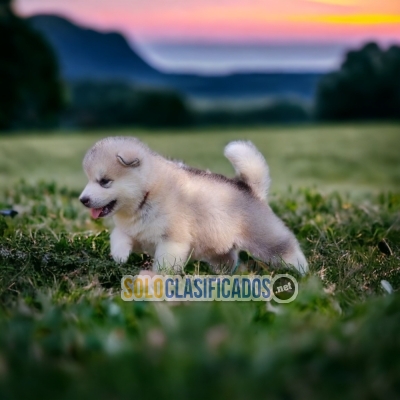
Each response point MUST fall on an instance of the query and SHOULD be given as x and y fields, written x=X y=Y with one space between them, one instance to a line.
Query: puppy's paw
x=120 y=254
x=297 y=259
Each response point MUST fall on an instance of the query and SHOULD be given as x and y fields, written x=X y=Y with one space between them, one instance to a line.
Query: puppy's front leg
x=170 y=255
x=121 y=246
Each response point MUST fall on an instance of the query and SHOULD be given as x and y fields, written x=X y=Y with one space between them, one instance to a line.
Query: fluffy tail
x=250 y=166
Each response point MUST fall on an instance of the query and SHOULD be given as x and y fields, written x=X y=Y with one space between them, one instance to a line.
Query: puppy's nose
x=85 y=201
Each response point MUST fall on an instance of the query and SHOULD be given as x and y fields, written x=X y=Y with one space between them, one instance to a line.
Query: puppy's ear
x=127 y=161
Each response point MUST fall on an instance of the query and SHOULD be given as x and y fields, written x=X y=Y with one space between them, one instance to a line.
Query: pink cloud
x=228 y=20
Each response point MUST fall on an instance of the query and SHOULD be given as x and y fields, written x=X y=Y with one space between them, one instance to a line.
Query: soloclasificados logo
x=281 y=288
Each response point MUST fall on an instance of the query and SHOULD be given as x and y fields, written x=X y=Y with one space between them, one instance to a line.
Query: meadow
x=65 y=332
x=352 y=157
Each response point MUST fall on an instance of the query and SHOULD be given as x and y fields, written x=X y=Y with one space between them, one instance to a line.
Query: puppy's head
x=117 y=169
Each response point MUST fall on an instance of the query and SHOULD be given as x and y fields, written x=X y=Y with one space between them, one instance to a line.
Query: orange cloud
x=353 y=19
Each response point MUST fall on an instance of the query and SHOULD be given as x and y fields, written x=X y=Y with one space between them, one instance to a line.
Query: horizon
x=197 y=37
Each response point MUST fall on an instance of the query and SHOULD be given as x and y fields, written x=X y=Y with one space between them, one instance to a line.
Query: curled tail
x=250 y=166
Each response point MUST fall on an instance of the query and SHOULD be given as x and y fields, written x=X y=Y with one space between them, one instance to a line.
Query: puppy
x=174 y=212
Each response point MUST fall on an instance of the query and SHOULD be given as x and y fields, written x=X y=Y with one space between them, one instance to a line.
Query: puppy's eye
x=105 y=182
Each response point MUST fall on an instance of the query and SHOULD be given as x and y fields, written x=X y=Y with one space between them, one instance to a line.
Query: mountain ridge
x=76 y=61
x=85 y=53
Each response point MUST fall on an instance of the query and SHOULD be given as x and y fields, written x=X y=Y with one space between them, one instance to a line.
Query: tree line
x=31 y=91
x=32 y=94
x=366 y=87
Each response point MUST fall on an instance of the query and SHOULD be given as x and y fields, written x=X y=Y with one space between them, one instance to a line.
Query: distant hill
x=88 y=54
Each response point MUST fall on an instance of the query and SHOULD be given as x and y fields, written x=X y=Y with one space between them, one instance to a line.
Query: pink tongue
x=95 y=212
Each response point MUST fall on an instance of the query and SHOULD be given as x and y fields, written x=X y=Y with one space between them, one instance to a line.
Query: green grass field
x=65 y=332
x=343 y=157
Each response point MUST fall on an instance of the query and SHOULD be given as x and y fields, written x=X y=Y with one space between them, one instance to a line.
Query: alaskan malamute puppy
x=174 y=212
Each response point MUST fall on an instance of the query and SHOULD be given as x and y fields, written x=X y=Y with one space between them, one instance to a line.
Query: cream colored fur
x=175 y=213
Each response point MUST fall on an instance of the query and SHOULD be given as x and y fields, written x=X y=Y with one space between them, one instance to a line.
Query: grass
x=65 y=333
x=349 y=157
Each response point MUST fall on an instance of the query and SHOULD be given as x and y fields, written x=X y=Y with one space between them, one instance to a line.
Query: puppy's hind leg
x=171 y=257
x=226 y=263
x=280 y=247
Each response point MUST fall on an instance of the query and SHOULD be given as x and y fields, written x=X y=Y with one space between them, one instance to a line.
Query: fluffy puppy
x=175 y=212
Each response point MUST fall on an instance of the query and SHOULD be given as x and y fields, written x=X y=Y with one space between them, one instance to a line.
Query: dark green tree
x=367 y=86
x=112 y=103
x=31 y=93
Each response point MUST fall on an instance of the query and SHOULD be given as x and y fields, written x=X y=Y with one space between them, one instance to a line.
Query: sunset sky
x=151 y=22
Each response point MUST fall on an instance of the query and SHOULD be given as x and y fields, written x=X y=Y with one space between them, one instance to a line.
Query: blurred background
x=193 y=63
x=208 y=66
